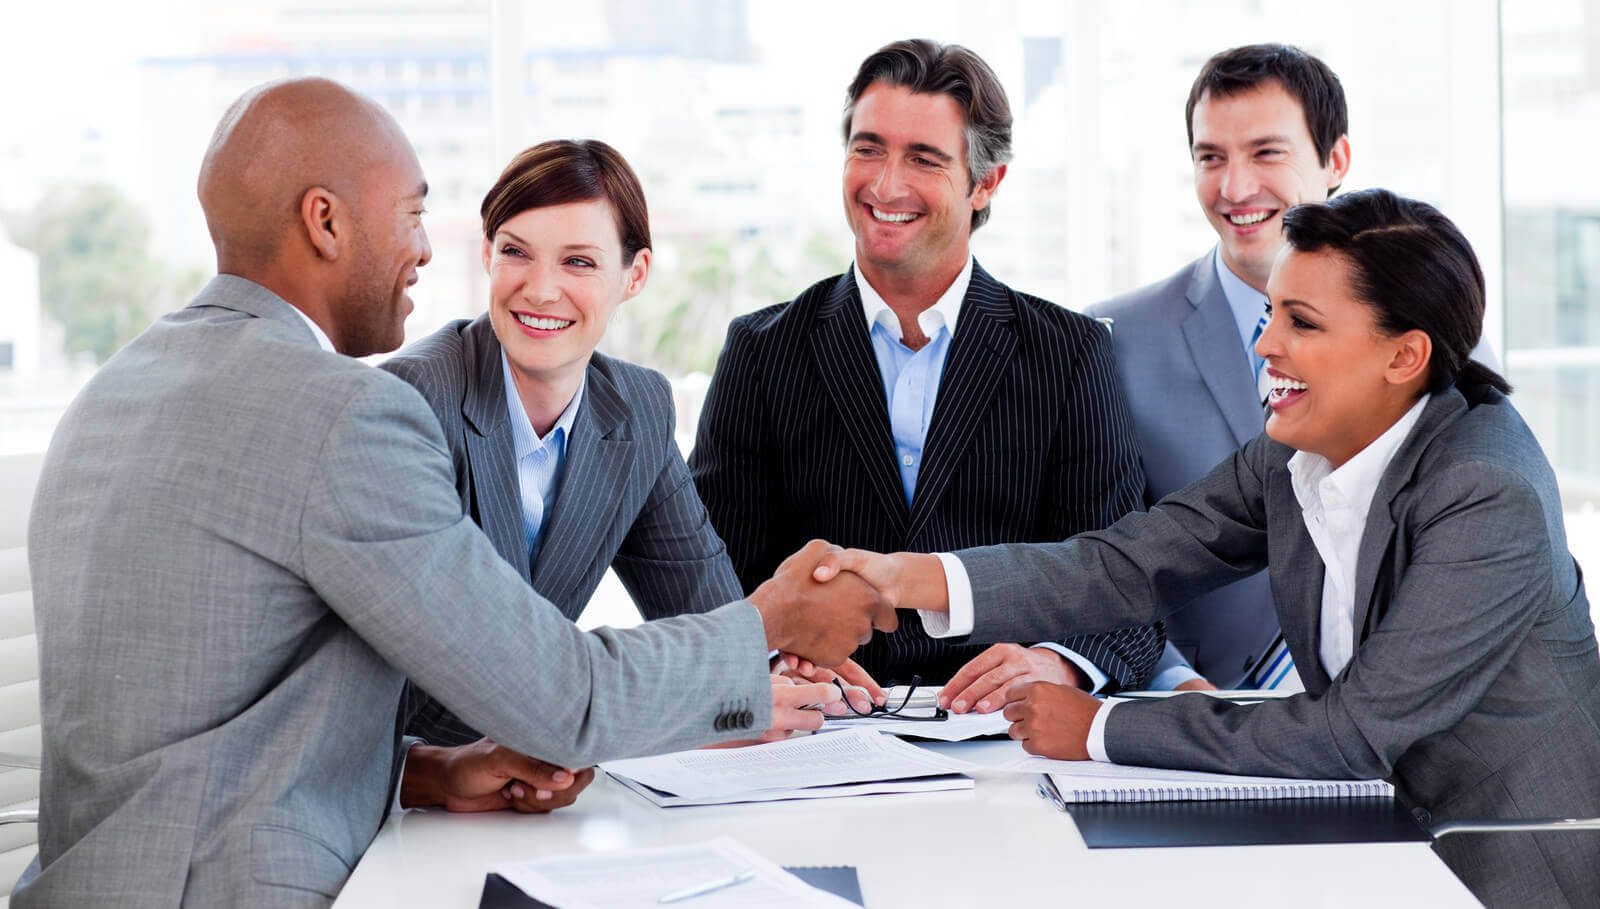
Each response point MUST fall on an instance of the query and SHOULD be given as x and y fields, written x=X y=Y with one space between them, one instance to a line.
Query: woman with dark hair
x=563 y=455
x=1412 y=531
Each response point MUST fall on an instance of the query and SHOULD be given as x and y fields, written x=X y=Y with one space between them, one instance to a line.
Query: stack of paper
x=850 y=762
x=719 y=874
x=1091 y=781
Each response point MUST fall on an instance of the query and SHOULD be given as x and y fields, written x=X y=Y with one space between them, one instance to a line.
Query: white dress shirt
x=1333 y=505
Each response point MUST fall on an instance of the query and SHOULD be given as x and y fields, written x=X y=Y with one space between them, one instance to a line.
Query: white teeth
x=1284 y=385
x=546 y=324
x=899 y=217
x=1247 y=220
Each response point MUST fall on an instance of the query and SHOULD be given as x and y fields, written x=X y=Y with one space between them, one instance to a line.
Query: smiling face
x=1337 y=381
x=1253 y=160
x=555 y=277
x=391 y=245
x=906 y=184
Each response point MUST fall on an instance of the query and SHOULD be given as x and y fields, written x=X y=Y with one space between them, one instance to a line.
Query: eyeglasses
x=894 y=712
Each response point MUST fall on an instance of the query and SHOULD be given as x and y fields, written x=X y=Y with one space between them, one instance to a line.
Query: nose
x=889 y=184
x=541 y=285
x=425 y=254
x=1239 y=182
x=1270 y=343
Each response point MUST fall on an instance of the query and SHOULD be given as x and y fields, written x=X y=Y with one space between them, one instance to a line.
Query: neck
x=1258 y=281
x=909 y=294
x=290 y=284
x=544 y=397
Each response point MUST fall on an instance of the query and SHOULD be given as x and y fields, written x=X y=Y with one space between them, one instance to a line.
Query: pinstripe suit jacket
x=1029 y=441
x=1475 y=682
x=1194 y=402
x=626 y=500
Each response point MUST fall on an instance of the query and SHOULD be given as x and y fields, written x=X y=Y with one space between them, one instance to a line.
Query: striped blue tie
x=1275 y=671
x=1263 y=381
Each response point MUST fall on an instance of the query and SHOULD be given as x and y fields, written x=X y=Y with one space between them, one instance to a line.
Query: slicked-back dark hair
x=1308 y=81
x=565 y=170
x=1412 y=267
x=926 y=67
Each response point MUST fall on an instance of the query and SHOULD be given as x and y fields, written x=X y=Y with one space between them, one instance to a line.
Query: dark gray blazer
x=241 y=545
x=1194 y=402
x=1029 y=440
x=626 y=500
x=1475 y=684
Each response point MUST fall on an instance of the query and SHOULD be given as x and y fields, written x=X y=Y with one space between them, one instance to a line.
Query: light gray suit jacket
x=1188 y=382
x=1475 y=684
x=626 y=499
x=240 y=546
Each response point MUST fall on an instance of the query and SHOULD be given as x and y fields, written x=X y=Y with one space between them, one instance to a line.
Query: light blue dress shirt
x=911 y=377
x=541 y=462
x=1247 y=304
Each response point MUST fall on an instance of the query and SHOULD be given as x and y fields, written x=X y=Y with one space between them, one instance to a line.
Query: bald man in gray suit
x=243 y=542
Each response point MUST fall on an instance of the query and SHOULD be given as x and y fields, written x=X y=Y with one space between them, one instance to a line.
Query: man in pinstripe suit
x=914 y=401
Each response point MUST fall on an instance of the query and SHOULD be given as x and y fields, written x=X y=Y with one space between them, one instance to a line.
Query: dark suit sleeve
x=672 y=560
x=1480 y=572
x=732 y=465
x=1094 y=479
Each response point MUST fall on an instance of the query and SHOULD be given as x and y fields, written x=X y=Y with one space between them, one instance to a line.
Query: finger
x=805 y=695
x=1016 y=711
x=859 y=698
x=806 y=668
x=853 y=674
x=783 y=680
x=988 y=691
x=539 y=774
x=839 y=560
x=969 y=673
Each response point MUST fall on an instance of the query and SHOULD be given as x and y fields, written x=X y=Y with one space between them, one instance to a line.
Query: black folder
x=1255 y=822
x=839 y=880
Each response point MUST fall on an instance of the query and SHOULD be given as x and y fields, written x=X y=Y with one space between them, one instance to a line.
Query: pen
x=708 y=887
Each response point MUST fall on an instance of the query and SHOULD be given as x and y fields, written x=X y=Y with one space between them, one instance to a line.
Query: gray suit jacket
x=626 y=499
x=240 y=546
x=1194 y=402
x=1475 y=684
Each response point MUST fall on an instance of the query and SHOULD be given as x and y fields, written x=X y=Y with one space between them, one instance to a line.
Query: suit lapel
x=599 y=456
x=1296 y=572
x=491 y=458
x=849 y=371
x=1211 y=328
x=979 y=356
x=1378 y=533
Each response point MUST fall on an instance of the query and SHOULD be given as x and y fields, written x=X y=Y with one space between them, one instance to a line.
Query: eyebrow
x=569 y=247
x=1301 y=304
x=1253 y=143
x=924 y=148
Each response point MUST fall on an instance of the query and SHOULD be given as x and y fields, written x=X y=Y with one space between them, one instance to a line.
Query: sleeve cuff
x=406 y=744
x=956 y=623
x=1097 y=679
x=1168 y=679
x=1097 y=735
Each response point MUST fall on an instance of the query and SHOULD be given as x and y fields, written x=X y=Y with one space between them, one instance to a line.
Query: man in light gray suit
x=1267 y=130
x=243 y=542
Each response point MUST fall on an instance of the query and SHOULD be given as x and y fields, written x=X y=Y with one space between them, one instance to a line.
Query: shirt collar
x=942 y=313
x=322 y=336
x=524 y=440
x=1247 y=303
x=1356 y=480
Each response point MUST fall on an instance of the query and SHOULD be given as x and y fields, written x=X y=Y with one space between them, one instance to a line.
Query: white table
x=997 y=844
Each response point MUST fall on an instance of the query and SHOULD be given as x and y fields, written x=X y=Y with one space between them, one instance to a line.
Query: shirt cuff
x=1097 y=735
x=1097 y=679
x=1171 y=678
x=406 y=745
x=957 y=623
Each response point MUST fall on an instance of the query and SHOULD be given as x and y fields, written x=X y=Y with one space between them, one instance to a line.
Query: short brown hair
x=926 y=67
x=562 y=171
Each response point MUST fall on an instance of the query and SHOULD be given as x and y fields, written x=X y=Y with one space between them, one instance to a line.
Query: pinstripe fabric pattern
x=1030 y=441
x=626 y=501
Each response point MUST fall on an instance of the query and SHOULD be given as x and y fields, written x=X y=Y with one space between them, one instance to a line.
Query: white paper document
x=957 y=727
x=639 y=878
x=856 y=756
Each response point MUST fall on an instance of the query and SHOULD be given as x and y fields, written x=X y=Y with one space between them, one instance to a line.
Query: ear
x=985 y=190
x=638 y=273
x=488 y=254
x=322 y=216
x=1411 y=358
x=1338 y=162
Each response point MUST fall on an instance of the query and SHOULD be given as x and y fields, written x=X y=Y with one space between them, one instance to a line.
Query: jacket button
x=1422 y=816
x=746 y=719
x=721 y=723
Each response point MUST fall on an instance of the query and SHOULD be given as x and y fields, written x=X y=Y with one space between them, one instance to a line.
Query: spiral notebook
x=1089 y=781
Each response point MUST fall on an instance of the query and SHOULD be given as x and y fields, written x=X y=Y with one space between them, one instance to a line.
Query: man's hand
x=1051 y=720
x=821 y=622
x=847 y=672
x=907 y=580
x=981 y=684
x=484 y=776
x=799 y=707
x=1196 y=684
